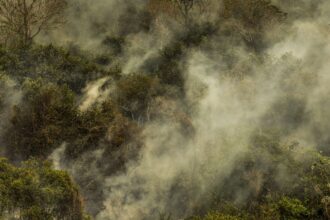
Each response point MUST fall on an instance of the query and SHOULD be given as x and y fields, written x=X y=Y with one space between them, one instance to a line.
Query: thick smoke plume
x=229 y=101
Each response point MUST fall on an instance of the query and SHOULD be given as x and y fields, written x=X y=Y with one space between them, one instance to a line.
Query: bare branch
x=23 y=20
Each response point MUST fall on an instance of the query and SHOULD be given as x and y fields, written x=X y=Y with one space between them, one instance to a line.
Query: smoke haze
x=231 y=93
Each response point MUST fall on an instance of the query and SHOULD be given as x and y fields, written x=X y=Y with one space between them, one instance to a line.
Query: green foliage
x=35 y=191
x=272 y=181
x=50 y=63
x=134 y=93
x=89 y=128
x=42 y=121
x=218 y=216
x=283 y=208
x=292 y=208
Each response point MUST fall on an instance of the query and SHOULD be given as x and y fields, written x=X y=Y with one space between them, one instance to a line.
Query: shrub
x=36 y=191
x=42 y=121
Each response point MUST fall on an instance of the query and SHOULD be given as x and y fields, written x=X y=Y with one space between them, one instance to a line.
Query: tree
x=36 y=191
x=252 y=19
x=178 y=8
x=252 y=13
x=42 y=121
x=134 y=93
x=22 y=20
x=185 y=6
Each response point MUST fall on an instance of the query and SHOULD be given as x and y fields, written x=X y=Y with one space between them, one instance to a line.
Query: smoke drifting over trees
x=162 y=109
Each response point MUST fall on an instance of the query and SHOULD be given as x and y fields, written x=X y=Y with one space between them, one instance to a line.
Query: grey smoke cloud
x=10 y=95
x=225 y=118
x=175 y=170
x=88 y=22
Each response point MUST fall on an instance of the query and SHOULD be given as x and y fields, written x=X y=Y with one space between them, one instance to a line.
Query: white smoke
x=225 y=113
x=93 y=93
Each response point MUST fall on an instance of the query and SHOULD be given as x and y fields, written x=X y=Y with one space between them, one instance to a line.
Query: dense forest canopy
x=164 y=109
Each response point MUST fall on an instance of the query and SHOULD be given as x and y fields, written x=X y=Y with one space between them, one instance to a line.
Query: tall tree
x=22 y=20
x=182 y=9
x=185 y=7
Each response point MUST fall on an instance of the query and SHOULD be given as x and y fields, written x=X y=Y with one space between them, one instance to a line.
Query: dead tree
x=22 y=20
x=182 y=9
